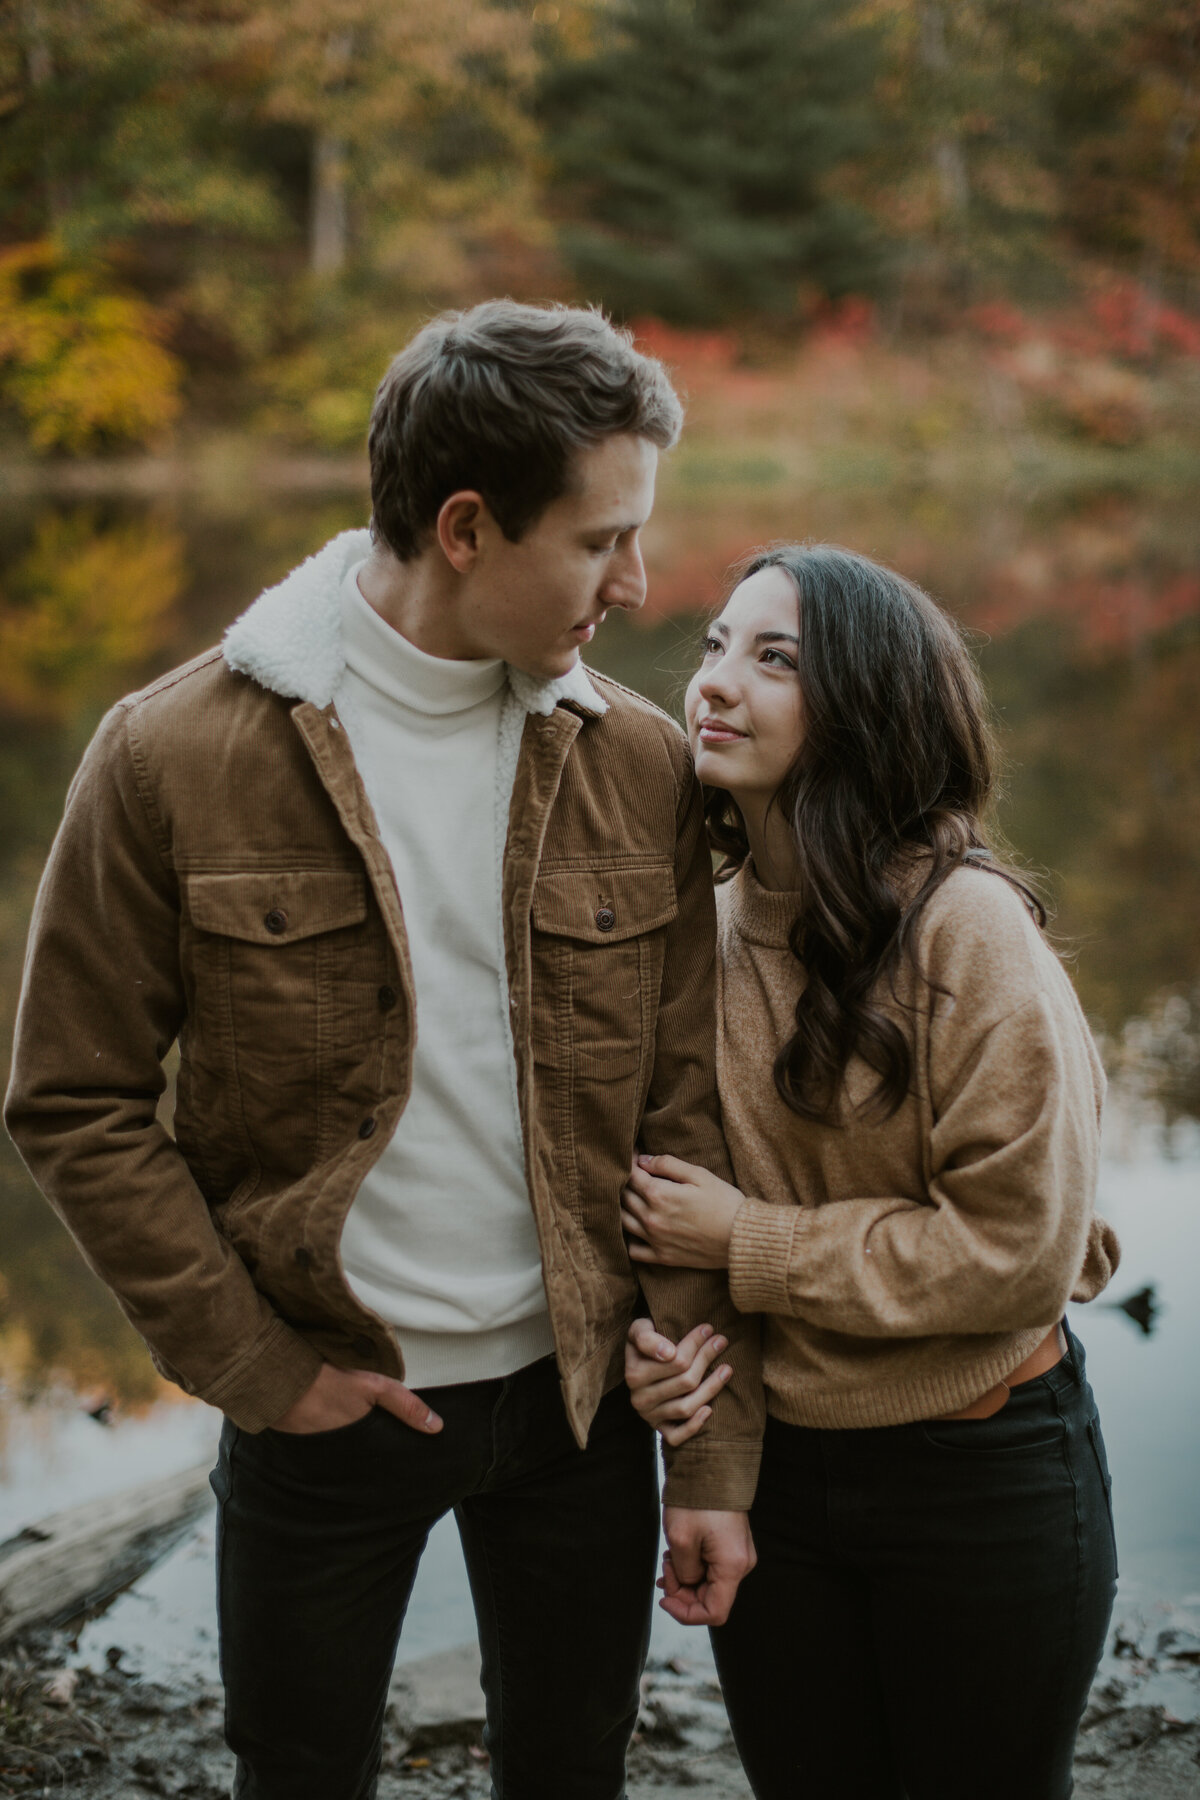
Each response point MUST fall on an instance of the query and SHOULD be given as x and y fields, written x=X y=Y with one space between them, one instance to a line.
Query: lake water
x=1099 y=701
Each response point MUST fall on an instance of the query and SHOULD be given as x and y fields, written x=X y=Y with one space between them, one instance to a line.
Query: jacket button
x=303 y=1258
x=364 y=1346
x=275 y=921
x=367 y=1128
x=606 y=918
x=387 y=998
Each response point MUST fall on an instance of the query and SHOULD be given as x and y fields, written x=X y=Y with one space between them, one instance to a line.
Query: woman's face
x=743 y=703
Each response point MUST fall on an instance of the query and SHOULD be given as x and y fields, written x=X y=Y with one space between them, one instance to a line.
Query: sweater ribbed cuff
x=760 y=1250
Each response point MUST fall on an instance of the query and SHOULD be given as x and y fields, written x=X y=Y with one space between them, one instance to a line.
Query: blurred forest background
x=928 y=274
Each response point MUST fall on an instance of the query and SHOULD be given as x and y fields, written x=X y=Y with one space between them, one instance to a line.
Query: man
x=428 y=909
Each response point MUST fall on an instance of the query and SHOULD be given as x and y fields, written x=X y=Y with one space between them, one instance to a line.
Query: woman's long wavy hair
x=886 y=796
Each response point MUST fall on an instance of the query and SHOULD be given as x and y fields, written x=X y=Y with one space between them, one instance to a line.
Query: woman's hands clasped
x=678 y=1215
x=673 y=1385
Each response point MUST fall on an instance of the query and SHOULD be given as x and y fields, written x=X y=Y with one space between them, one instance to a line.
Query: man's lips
x=716 y=731
x=587 y=630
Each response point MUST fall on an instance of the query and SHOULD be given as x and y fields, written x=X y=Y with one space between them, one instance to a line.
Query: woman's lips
x=712 y=731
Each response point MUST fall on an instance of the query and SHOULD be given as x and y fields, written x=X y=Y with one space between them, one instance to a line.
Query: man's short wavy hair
x=500 y=399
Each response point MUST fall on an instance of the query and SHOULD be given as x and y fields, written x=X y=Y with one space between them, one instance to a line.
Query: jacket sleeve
x=102 y=1001
x=718 y=1468
x=1000 y=1243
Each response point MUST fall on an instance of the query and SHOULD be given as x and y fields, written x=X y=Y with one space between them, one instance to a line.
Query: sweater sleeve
x=1000 y=1241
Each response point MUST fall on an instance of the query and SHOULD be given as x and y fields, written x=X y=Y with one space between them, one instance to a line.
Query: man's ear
x=458 y=528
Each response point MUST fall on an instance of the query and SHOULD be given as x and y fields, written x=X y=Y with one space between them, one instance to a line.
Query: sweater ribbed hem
x=925 y=1396
x=760 y=1250
x=449 y=1358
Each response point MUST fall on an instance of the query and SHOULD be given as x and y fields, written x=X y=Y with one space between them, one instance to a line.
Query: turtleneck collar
x=760 y=915
x=396 y=668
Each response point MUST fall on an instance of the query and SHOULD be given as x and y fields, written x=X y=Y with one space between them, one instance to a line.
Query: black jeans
x=929 y=1606
x=317 y=1547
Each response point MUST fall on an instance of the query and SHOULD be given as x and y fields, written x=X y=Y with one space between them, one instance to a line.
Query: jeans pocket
x=1030 y=1424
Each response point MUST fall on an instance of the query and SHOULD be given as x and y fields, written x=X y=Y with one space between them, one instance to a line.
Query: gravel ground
x=111 y=1734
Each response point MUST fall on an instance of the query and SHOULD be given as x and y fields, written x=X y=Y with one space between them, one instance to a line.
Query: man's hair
x=500 y=399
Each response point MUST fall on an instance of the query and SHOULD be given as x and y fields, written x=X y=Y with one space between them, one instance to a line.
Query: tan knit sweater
x=907 y=1266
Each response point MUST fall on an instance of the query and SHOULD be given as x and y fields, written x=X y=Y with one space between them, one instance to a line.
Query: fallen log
x=76 y=1560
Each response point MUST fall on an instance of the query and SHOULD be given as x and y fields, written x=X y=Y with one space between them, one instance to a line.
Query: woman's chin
x=716 y=768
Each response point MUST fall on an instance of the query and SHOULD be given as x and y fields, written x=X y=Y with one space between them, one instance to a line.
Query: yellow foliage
x=82 y=603
x=82 y=364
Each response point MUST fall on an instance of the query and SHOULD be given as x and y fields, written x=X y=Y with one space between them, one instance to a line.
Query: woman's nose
x=717 y=684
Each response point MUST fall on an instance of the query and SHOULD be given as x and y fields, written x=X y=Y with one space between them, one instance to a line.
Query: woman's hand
x=671 y=1386
x=678 y=1215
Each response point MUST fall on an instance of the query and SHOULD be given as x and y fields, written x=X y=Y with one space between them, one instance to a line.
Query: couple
x=429 y=909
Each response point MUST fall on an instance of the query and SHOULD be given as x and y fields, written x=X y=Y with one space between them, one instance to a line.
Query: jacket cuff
x=760 y=1251
x=262 y=1384
x=712 y=1477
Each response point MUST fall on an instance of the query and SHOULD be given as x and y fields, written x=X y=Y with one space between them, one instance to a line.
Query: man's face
x=537 y=602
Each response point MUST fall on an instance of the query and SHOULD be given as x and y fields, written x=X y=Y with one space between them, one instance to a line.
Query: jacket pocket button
x=364 y=1346
x=606 y=918
x=367 y=1128
x=387 y=998
x=303 y=1258
x=275 y=921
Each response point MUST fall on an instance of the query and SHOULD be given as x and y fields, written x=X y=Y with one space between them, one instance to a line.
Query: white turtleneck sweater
x=440 y=1240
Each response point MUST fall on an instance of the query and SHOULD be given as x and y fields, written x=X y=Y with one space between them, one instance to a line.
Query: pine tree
x=695 y=150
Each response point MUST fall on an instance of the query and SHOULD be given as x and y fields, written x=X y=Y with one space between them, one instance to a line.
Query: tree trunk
x=328 y=218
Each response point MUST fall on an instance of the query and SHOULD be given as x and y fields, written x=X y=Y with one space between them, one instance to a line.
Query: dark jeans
x=317 y=1547
x=929 y=1606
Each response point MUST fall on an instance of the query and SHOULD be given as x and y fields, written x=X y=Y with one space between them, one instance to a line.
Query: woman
x=911 y=1099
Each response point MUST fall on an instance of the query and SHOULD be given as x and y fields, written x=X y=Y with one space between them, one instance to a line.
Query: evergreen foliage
x=695 y=150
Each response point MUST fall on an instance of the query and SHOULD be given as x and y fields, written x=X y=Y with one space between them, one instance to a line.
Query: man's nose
x=625 y=583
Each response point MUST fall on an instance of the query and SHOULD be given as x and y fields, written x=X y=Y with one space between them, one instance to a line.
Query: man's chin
x=553 y=665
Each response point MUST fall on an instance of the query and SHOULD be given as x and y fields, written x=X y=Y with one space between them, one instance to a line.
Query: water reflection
x=1142 y=1307
x=1099 y=727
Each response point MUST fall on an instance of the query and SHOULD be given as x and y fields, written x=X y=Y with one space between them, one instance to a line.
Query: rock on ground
x=110 y=1734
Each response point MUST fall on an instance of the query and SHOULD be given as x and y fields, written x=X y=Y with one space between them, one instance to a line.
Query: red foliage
x=1107 y=613
x=1121 y=319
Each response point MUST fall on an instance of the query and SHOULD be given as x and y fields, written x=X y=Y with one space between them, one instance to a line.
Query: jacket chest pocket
x=283 y=954
x=598 y=954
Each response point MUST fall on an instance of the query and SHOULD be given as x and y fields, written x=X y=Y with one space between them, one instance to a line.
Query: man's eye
x=604 y=549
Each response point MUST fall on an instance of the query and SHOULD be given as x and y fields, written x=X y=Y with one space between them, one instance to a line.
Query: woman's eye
x=778 y=660
x=712 y=646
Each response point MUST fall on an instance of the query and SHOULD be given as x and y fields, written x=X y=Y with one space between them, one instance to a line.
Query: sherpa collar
x=290 y=639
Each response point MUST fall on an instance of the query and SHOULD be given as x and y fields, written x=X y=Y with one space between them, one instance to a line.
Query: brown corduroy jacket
x=219 y=879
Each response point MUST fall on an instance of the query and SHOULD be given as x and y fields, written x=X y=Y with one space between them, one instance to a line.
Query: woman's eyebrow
x=777 y=637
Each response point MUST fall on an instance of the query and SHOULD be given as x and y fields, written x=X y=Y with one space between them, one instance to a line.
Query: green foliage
x=692 y=151
x=82 y=364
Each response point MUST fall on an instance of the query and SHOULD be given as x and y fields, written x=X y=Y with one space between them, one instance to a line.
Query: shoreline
x=112 y=1733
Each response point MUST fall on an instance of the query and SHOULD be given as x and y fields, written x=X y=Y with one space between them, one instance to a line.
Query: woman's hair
x=885 y=797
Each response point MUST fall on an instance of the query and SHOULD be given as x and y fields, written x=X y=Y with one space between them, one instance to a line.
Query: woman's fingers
x=679 y=1434
x=668 y=1168
x=675 y=1408
x=631 y=1222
